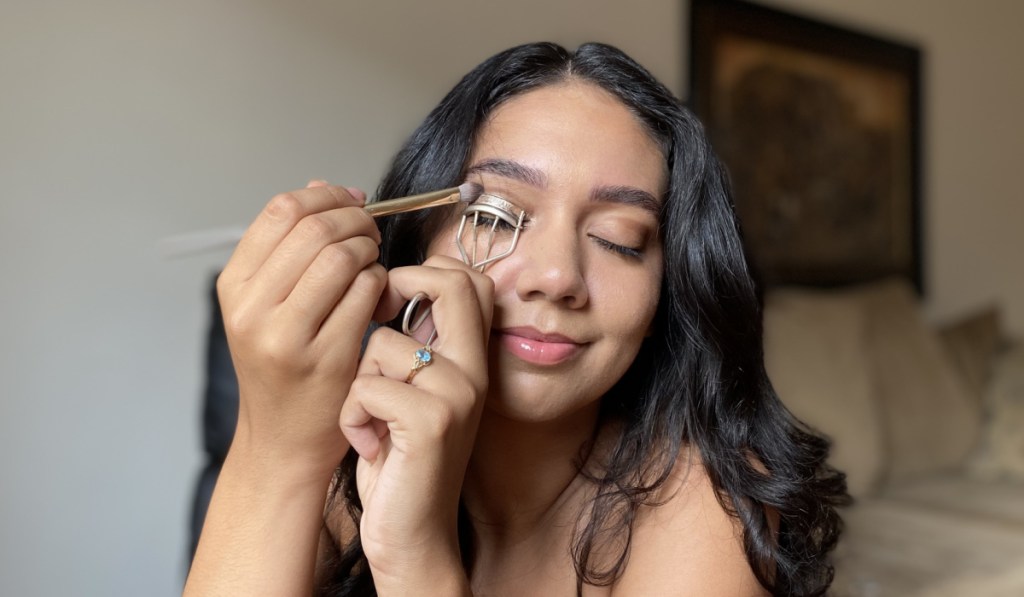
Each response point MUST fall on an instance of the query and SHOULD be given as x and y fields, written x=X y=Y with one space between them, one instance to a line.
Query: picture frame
x=819 y=127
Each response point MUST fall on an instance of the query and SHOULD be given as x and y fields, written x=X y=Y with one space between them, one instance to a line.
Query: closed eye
x=630 y=252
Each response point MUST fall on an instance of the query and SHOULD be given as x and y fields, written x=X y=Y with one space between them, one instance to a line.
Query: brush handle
x=227 y=237
x=414 y=202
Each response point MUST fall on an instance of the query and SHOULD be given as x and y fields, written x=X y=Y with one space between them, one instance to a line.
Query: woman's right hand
x=297 y=297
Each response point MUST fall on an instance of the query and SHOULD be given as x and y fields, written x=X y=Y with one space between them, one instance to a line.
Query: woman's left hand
x=414 y=439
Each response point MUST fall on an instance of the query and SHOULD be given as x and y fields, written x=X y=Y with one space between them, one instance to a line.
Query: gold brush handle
x=414 y=202
x=219 y=238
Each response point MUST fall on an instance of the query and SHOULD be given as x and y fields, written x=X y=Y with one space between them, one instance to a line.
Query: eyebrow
x=511 y=169
x=628 y=196
x=621 y=194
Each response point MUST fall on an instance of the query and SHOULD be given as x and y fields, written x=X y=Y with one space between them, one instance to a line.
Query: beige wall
x=124 y=122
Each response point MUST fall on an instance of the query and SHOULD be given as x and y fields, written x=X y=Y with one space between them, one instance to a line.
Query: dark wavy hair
x=698 y=380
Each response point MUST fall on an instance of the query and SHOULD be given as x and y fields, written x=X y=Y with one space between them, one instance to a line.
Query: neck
x=521 y=474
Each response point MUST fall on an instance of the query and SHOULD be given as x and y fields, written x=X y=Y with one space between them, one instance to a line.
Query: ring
x=408 y=326
x=423 y=357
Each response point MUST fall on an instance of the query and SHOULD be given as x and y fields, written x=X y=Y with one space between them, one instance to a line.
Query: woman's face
x=576 y=298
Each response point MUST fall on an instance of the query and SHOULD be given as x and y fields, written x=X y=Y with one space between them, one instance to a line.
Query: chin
x=533 y=405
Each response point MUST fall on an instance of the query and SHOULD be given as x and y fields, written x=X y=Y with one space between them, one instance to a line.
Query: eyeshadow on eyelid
x=631 y=235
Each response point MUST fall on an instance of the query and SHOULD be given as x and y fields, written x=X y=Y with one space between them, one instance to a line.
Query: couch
x=928 y=424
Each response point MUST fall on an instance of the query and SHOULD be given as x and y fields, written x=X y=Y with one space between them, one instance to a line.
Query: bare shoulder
x=688 y=543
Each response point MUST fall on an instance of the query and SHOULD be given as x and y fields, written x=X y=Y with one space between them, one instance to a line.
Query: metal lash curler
x=494 y=226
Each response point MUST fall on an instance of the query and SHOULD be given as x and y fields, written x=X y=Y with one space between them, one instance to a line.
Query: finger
x=277 y=219
x=374 y=402
x=358 y=194
x=280 y=273
x=348 y=320
x=462 y=304
x=325 y=281
x=394 y=355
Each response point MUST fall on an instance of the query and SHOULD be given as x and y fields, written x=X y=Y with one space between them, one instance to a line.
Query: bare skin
x=522 y=357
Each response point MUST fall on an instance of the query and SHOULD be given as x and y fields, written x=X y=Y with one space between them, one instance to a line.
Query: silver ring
x=410 y=309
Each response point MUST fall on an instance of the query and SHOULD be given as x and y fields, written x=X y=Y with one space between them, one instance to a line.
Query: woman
x=596 y=418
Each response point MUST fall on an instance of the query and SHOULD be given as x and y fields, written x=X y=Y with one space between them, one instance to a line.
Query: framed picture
x=819 y=127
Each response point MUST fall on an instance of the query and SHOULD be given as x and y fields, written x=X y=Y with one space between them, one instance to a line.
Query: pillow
x=972 y=342
x=1001 y=450
x=931 y=422
x=815 y=354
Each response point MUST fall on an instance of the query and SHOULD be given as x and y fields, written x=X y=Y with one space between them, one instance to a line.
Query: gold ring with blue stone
x=423 y=357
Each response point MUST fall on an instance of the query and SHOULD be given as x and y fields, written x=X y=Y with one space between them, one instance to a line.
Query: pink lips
x=536 y=347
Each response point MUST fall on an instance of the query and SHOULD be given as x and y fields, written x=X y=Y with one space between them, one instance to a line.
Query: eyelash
x=629 y=252
x=503 y=226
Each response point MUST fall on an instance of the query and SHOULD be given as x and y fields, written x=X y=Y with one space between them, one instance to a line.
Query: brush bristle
x=470 y=191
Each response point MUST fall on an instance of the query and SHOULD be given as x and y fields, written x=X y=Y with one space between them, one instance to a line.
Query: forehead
x=574 y=128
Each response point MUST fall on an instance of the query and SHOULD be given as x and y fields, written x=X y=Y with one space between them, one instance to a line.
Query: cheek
x=444 y=243
x=645 y=300
x=630 y=304
x=642 y=314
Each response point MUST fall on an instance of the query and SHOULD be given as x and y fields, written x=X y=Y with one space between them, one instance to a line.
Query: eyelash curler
x=499 y=212
x=498 y=218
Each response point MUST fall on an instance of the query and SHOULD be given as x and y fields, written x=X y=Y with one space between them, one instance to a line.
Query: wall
x=124 y=122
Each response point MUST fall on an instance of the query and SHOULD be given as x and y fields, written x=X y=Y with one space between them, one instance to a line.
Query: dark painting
x=818 y=128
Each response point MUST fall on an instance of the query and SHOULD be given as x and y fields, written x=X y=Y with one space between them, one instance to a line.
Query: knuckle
x=444 y=262
x=316 y=227
x=465 y=392
x=281 y=351
x=285 y=207
x=459 y=281
x=440 y=419
x=379 y=340
x=238 y=323
x=340 y=256
x=360 y=385
x=464 y=388
x=370 y=280
x=372 y=248
x=223 y=288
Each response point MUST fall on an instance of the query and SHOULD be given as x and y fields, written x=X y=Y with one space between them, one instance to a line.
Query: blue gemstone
x=423 y=355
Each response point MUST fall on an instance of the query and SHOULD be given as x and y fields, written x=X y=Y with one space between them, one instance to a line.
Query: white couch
x=928 y=424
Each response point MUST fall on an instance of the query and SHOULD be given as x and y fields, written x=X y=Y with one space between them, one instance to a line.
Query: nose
x=550 y=264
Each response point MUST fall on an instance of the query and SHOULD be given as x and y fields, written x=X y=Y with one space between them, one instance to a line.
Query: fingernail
x=357 y=194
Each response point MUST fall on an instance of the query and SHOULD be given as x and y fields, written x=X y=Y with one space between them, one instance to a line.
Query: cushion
x=892 y=547
x=995 y=501
x=931 y=422
x=816 y=357
x=972 y=342
x=1001 y=450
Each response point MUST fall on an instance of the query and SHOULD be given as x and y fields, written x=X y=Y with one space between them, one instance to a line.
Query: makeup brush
x=219 y=238
x=466 y=192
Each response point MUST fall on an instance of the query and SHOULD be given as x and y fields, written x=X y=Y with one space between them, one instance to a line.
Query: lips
x=536 y=347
